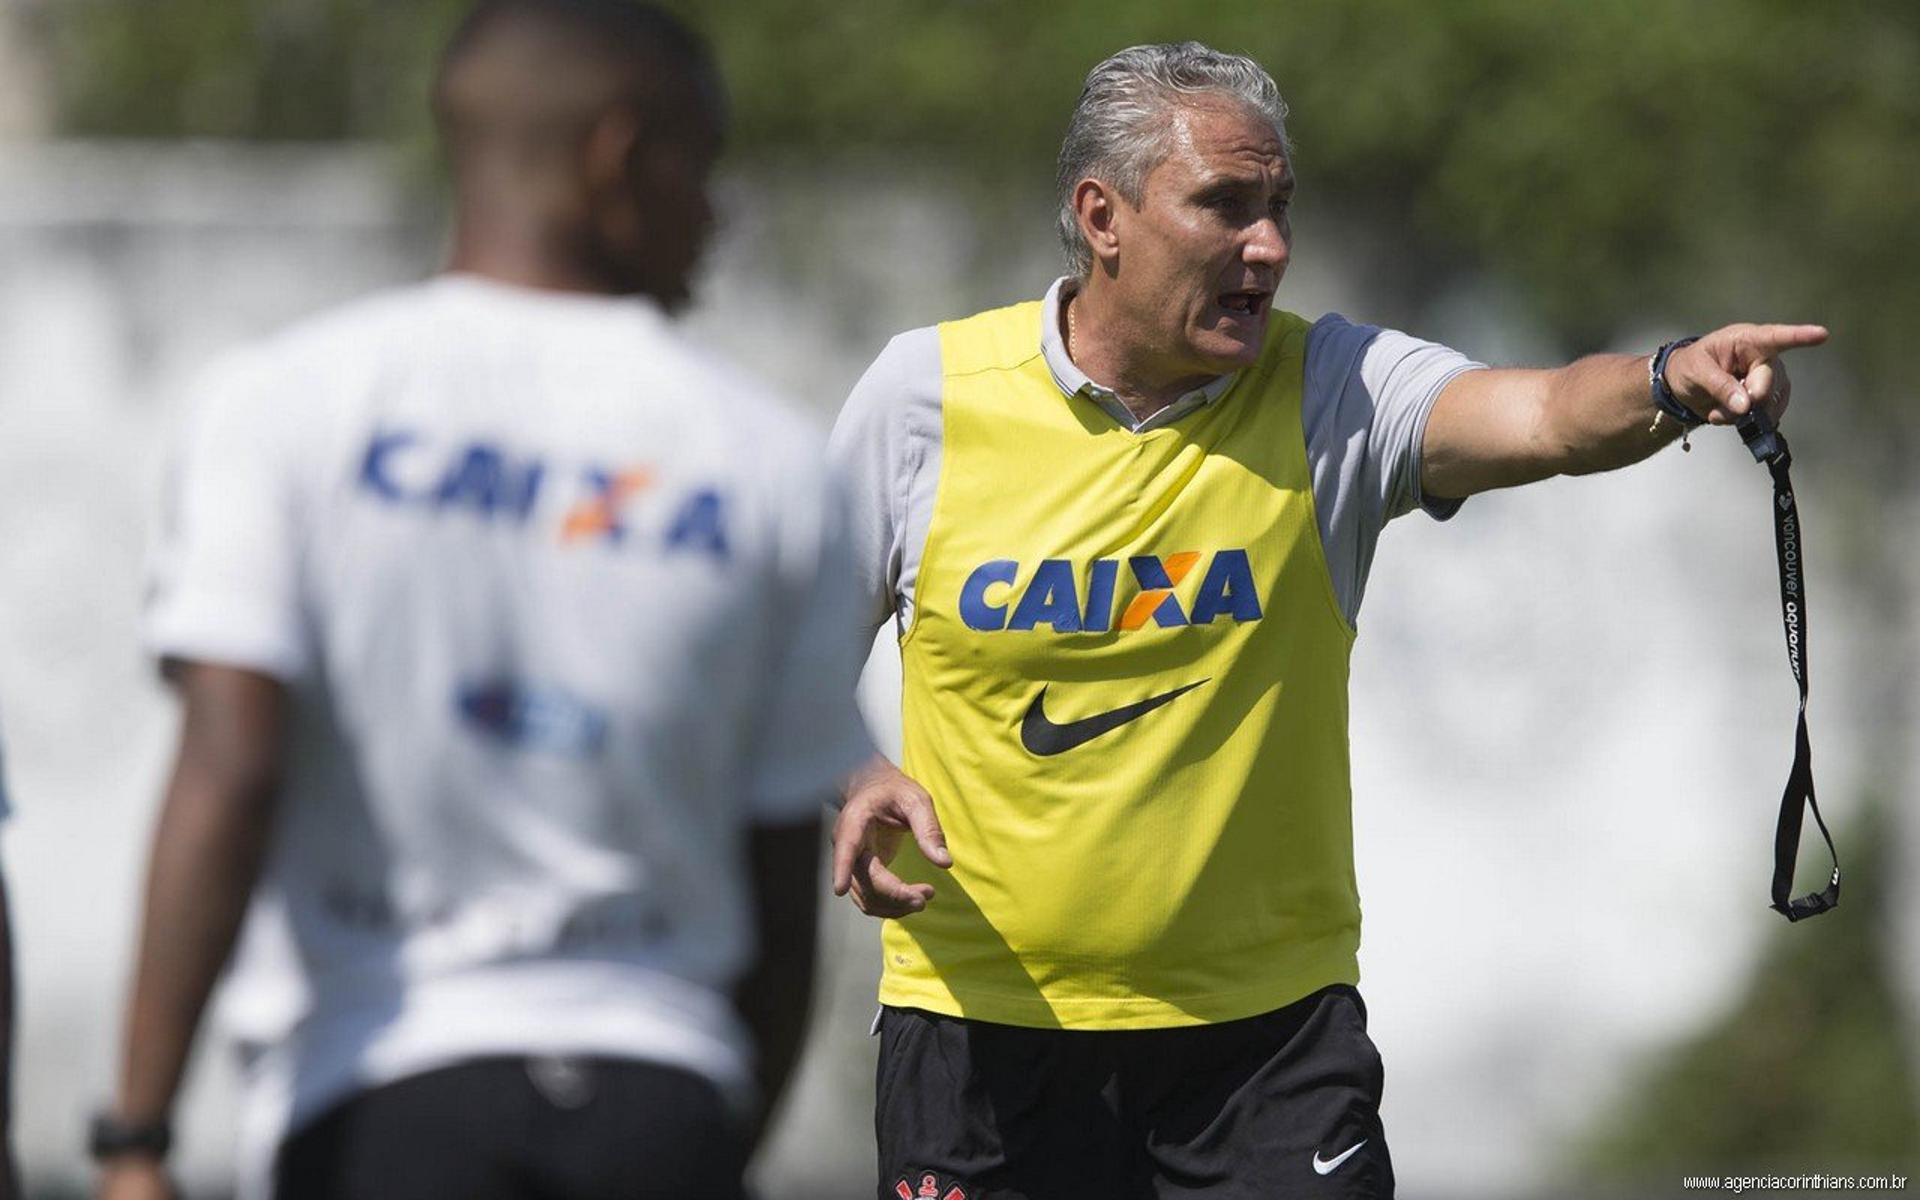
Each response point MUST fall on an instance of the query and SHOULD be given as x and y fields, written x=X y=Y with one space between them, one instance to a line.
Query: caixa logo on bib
x=494 y=483
x=999 y=596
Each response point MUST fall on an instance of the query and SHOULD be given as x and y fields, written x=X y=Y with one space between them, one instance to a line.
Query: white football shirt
x=564 y=606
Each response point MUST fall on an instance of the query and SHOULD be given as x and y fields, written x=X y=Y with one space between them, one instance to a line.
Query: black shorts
x=514 y=1128
x=1284 y=1104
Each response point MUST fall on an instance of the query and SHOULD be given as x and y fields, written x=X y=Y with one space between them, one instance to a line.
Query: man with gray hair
x=1124 y=532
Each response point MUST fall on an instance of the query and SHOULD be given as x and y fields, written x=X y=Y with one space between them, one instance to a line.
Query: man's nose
x=1268 y=244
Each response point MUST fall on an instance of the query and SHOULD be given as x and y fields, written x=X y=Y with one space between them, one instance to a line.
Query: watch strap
x=108 y=1137
x=1663 y=397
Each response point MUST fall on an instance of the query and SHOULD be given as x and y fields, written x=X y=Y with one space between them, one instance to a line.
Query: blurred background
x=1572 y=716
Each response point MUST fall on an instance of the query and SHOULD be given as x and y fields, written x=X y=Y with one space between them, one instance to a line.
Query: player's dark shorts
x=514 y=1128
x=1286 y=1104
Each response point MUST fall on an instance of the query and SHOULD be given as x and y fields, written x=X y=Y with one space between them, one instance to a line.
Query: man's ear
x=1101 y=212
x=607 y=155
x=608 y=163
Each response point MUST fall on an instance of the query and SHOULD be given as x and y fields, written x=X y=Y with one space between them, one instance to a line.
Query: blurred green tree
x=1621 y=162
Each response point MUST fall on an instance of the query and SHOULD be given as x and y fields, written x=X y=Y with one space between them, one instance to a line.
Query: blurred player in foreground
x=1124 y=531
x=513 y=639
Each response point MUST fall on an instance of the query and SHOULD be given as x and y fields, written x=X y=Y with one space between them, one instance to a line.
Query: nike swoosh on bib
x=1043 y=738
x=1327 y=1166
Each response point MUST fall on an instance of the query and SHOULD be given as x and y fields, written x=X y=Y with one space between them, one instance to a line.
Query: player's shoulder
x=738 y=397
x=364 y=323
x=910 y=364
x=911 y=349
x=899 y=391
x=997 y=339
x=1336 y=349
x=311 y=350
x=1335 y=336
x=734 y=420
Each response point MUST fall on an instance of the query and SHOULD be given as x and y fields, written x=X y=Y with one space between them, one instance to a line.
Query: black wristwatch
x=109 y=1137
x=1663 y=397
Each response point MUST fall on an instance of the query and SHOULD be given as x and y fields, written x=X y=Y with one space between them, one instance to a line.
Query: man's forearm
x=206 y=858
x=207 y=852
x=1600 y=414
x=1502 y=428
x=773 y=998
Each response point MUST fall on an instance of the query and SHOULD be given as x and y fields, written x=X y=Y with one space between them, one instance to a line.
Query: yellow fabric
x=1194 y=864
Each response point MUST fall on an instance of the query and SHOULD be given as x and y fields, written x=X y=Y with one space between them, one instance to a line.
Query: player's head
x=1173 y=181
x=581 y=133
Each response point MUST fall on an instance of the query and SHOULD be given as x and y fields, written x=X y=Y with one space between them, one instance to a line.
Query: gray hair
x=1119 y=127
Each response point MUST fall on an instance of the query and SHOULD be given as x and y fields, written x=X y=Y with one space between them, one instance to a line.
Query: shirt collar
x=1074 y=382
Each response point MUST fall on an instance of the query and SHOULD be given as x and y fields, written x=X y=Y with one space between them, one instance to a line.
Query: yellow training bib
x=1126 y=690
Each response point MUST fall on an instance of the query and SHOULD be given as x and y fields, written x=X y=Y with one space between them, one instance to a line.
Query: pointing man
x=1124 y=533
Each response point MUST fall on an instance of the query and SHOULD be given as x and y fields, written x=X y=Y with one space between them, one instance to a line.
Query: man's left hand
x=1732 y=370
x=134 y=1178
x=882 y=806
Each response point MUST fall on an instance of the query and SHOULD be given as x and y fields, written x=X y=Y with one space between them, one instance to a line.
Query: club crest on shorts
x=929 y=1189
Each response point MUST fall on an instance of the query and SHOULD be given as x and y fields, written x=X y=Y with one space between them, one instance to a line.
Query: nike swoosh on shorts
x=1327 y=1166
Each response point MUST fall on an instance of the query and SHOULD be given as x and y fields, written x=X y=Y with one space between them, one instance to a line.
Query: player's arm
x=206 y=856
x=1501 y=428
x=876 y=454
x=773 y=997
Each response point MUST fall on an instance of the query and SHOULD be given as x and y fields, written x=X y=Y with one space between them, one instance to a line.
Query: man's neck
x=525 y=253
x=1114 y=353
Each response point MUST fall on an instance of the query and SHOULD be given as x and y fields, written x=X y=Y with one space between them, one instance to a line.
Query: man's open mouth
x=1250 y=302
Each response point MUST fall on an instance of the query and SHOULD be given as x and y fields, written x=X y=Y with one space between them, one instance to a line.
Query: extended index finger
x=1771 y=339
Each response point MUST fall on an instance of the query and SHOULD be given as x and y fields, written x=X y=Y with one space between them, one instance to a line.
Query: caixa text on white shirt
x=580 y=504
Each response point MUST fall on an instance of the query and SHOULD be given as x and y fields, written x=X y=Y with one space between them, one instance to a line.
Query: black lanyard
x=1770 y=449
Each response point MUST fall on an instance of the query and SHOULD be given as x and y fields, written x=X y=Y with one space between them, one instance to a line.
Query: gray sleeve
x=811 y=735
x=1368 y=392
x=885 y=448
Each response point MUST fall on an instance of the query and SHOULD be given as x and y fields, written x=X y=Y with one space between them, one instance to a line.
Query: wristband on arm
x=109 y=1137
x=1665 y=403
